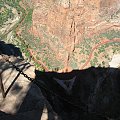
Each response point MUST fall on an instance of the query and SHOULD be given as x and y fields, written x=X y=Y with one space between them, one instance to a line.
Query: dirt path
x=102 y=43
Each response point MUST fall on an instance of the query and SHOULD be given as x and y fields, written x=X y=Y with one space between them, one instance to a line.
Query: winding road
x=102 y=43
x=33 y=53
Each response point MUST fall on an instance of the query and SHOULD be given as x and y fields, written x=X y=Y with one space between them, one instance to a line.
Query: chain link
x=6 y=58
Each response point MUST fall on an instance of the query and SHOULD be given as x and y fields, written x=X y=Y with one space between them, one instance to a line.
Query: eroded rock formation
x=62 y=25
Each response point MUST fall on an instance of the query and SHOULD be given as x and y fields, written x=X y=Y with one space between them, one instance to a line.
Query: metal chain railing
x=40 y=84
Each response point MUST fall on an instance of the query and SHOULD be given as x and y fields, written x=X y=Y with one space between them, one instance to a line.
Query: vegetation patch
x=110 y=34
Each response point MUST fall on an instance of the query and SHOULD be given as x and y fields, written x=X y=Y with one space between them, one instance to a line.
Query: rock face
x=62 y=25
x=115 y=62
x=23 y=99
x=14 y=84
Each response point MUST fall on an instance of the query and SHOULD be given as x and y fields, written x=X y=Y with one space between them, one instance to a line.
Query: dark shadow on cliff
x=10 y=49
x=94 y=94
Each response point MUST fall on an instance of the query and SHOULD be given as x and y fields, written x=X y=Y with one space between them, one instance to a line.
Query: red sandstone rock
x=64 y=24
